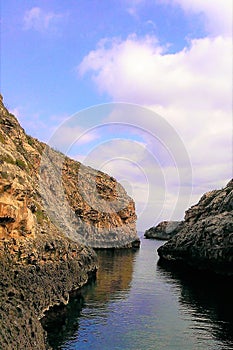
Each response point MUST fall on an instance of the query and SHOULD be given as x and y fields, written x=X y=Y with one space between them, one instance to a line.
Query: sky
x=140 y=89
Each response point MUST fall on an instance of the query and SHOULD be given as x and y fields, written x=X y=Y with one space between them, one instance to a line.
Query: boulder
x=164 y=230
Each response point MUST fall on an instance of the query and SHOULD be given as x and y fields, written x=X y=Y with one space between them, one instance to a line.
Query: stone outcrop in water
x=164 y=230
x=43 y=253
x=205 y=240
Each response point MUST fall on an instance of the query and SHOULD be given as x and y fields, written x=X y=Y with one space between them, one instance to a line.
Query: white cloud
x=41 y=21
x=68 y=137
x=32 y=123
x=154 y=186
x=191 y=89
x=132 y=6
x=218 y=13
x=215 y=14
x=138 y=71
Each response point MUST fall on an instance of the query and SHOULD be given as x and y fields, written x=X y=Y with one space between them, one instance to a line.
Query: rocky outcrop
x=47 y=220
x=164 y=230
x=90 y=206
x=36 y=275
x=87 y=205
x=205 y=240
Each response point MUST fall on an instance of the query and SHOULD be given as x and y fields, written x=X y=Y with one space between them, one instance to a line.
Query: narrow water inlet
x=136 y=303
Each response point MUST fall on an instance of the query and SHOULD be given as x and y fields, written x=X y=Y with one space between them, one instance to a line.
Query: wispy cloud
x=40 y=20
x=138 y=70
x=217 y=13
x=32 y=122
x=132 y=7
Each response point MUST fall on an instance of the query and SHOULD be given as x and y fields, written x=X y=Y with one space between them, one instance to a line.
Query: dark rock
x=29 y=287
x=205 y=240
x=136 y=244
x=164 y=230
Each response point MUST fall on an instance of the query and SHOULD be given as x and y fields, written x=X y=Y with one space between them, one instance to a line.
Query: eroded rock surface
x=35 y=275
x=43 y=252
x=205 y=240
x=164 y=230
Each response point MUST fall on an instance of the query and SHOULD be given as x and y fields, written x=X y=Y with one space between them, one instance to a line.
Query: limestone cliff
x=205 y=240
x=40 y=185
x=44 y=221
x=164 y=230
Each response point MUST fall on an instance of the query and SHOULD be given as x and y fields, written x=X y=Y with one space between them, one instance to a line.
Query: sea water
x=135 y=304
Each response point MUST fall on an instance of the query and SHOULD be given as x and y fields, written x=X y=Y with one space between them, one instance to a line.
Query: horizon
x=171 y=59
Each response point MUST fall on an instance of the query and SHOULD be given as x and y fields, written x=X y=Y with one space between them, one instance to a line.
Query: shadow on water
x=206 y=298
x=164 y=307
x=114 y=278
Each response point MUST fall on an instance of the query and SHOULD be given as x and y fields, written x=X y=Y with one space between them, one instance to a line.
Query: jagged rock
x=42 y=184
x=43 y=228
x=36 y=275
x=164 y=230
x=205 y=240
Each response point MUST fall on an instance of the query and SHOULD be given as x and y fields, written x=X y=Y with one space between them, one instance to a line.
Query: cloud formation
x=191 y=88
x=217 y=13
x=40 y=20
x=138 y=70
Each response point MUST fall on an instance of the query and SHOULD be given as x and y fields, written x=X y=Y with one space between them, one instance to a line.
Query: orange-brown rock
x=46 y=224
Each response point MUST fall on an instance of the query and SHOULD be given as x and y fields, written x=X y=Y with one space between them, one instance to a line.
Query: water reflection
x=113 y=277
x=137 y=304
x=206 y=300
x=113 y=282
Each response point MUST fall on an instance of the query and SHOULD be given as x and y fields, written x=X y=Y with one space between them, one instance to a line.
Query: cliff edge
x=205 y=240
x=44 y=253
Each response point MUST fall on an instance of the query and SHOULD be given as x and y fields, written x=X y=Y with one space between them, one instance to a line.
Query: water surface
x=136 y=304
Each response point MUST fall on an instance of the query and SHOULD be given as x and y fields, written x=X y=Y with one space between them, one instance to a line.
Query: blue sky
x=44 y=42
x=171 y=56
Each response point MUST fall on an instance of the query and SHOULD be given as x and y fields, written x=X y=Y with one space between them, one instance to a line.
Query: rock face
x=35 y=275
x=90 y=206
x=164 y=230
x=42 y=255
x=39 y=183
x=205 y=241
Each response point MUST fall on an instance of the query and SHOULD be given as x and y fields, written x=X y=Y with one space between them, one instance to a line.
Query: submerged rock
x=205 y=240
x=164 y=230
x=47 y=220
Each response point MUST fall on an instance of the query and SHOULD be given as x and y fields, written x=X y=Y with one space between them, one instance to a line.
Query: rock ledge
x=164 y=230
x=205 y=240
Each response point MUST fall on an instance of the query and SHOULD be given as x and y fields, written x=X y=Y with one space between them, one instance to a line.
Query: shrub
x=2 y=140
x=7 y=159
x=4 y=175
x=30 y=140
x=40 y=216
x=20 y=164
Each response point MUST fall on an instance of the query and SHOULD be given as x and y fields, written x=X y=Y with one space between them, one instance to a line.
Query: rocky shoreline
x=48 y=229
x=205 y=240
x=29 y=288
